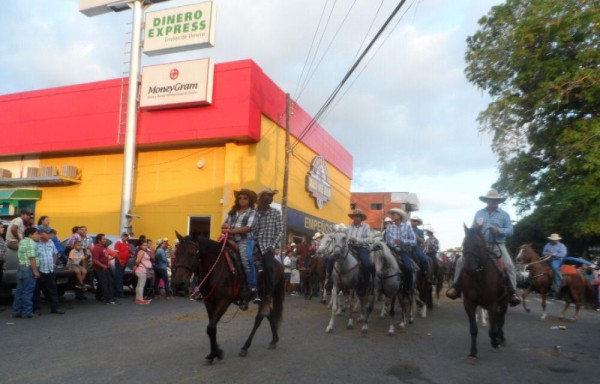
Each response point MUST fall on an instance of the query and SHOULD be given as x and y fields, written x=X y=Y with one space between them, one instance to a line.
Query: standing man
x=100 y=261
x=26 y=274
x=400 y=237
x=268 y=236
x=557 y=251
x=123 y=253
x=495 y=224
x=3 y=250
x=48 y=257
x=359 y=235
x=16 y=228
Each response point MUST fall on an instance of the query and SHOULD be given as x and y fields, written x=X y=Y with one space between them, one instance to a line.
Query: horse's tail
x=278 y=297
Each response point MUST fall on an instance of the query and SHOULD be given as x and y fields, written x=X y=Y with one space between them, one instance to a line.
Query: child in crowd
x=77 y=263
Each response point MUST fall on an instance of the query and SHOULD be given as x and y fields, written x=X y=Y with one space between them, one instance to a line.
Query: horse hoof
x=328 y=330
x=349 y=326
x=272 y=345
x=364 y=330
x=243 y=353
x=528 y=310
x=472 y=359
x=543 y=317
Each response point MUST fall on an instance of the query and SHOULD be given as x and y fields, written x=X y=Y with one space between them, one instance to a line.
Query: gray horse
x=388 y=279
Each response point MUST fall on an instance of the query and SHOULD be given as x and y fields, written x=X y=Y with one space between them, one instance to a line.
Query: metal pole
x=286 y=173
x=131 y=124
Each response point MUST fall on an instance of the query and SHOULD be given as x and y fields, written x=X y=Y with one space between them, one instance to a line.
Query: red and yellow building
x=188 y=160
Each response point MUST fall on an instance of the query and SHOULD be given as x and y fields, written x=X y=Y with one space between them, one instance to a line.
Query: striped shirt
x=245 y=219
x=268 y=230
x=402 y=232
x=28 y=250
x=361 y=232
x=46 y=251
x=499 y=219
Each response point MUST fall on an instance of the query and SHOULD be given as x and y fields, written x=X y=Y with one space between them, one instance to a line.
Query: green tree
x=539 y=60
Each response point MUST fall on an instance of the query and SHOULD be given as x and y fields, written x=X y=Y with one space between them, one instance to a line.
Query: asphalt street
x=166 y=342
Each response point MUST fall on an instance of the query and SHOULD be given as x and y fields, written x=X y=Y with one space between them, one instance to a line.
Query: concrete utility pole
x=286 y=172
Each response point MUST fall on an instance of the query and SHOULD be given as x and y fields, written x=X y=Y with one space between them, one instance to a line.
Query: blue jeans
x=247 y=254
x=405 y=263
x=23 y=302
x=161 y=274
x=555 y=264
x=423 y=262
x=119 y=272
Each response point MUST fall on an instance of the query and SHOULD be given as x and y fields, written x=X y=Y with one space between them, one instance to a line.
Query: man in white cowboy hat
x=495 y=224
x=359 y=235
x=400 y=237
x=415 y=221
x=268 y=235
x=557 y=251
x=432 y=246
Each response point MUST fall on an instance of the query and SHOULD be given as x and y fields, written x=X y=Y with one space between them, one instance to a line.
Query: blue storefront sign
x=301 y=221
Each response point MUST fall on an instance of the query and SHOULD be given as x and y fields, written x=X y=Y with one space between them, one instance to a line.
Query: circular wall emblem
x=174 y=73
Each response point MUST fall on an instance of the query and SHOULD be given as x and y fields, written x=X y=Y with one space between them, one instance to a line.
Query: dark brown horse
x=483 y=284
x=540 y=275
x=312 y=276
x=220 y=287
x=424 y=290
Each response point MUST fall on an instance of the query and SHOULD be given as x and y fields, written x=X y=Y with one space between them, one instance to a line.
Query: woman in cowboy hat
x=239 y=224
x=496 y=225
x=557 y=251
x=359 y=235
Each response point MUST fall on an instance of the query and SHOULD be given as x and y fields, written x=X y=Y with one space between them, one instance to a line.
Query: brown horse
x=540 y=275
x=576 y=289
x=220 y=286
x=313 y=275
x=484 y=285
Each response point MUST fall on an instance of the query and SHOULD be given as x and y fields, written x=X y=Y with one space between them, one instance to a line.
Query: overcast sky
x=407 y=115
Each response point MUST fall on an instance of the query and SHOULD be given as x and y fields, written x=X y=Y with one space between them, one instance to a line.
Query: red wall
x=86 y=117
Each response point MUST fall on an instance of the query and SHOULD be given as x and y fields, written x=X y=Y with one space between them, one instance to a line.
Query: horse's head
x=186 y=259
x=474 y=246
x=527 y=254
x=339 y=244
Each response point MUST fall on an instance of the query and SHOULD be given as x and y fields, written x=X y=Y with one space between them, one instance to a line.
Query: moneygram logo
x=174 y=74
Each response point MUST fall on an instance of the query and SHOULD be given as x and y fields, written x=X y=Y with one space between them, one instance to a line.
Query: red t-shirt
x=123 y=250
x=99 y=255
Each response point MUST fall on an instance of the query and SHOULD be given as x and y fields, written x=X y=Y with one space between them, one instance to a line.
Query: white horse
x=388 y=279
x=345 y=277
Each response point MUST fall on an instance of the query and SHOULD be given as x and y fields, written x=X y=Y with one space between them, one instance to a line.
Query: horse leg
x=577 y=297
x=543 y=304
x=257 y=321
x=214 y=314
x=334 y=308
x=367 y=303
x=470 y=309
x=524 y=295
x=493 y=332
x=391 y=312
x=351 y=310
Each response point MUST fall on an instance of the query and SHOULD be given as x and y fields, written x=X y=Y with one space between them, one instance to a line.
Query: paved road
x=166 y=342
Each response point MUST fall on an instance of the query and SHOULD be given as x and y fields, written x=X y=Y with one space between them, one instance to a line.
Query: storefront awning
x=20 y=194
x=45 y=181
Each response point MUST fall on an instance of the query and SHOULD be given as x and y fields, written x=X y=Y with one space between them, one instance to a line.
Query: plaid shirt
x=268 y=229
x=2 y=250
x=432 y=245
x=403 y=232
x=246 y=219
x=498 y=219
x=46 y=251
x=27 y=250
x=361 y=232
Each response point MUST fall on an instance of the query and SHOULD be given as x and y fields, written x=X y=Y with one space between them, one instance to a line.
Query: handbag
x=149 y=273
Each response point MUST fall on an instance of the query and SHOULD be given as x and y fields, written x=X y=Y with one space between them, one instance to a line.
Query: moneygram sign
x=180 y=84
x=180 y=29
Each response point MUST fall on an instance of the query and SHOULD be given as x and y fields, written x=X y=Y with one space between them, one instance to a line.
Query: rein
x=539 y=261
x=212 y=268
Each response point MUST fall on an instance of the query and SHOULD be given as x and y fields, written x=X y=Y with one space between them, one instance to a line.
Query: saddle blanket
x=568 y=270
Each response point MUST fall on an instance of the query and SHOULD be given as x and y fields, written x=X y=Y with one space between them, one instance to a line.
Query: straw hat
x=430 y=229
x=492 y=195
x=317 y=235
x=417 y=219
x=554 y=237
x=400 y=212
x=387 y=220
x=160 y=242
x=267 y=191
x=359 y=213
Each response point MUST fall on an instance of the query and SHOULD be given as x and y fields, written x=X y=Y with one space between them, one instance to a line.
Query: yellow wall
x=170 y=186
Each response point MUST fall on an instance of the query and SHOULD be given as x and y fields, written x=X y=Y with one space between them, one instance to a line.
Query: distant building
x=377 y=204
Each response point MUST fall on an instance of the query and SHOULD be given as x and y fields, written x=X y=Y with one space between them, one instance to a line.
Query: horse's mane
x=382 y=254
x=205 y=244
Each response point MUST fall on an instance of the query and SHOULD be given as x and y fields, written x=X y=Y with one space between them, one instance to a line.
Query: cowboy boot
x=514 y=299
x=453 y=292
x=254 y=296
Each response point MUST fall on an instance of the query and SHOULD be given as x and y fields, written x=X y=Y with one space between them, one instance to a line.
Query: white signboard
x=180 y=84
x=180 y=29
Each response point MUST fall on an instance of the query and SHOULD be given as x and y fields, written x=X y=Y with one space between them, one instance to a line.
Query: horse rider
x=557 y=251
x=268 y=234
x=400 y=238
x=415 y=221
x=240 y=223
x=432 y=246
x=386 y=223
x=316 y=241
x=495 y=224
x=359 y=236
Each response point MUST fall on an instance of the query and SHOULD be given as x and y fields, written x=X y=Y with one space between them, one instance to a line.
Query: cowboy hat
x=399 y=212
x=554 y=237
x=357 y=212
x=387 y=220
x=267 y=191
x=317 y=235
x=492 y=195
x=244 y=191
x=160 y=242
x=417 y=219
x=430 y=229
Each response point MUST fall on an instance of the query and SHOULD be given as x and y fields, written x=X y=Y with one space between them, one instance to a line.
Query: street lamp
x=99 y=7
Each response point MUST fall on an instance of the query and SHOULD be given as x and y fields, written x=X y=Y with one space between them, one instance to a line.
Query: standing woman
x=143 y=264
x=161 y=264
x=240 y=222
